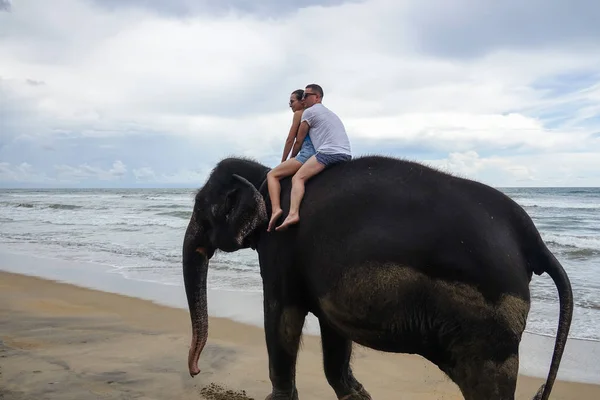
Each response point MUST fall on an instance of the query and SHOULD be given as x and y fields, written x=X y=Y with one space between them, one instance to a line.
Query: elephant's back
x=382 y=210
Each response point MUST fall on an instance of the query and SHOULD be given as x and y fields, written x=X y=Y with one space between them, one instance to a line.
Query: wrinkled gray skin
x=388 y=254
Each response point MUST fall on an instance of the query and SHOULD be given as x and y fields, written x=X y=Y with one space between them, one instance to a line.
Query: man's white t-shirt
x=327 y=132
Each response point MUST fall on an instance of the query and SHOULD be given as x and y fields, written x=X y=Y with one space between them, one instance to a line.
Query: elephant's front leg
x=337 y=351
x=283 y=328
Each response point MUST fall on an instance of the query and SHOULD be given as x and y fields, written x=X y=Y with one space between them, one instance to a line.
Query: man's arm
x=302 y=131
x=291 y=135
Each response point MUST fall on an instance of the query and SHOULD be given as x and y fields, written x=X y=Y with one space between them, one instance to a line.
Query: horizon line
x=195 y=187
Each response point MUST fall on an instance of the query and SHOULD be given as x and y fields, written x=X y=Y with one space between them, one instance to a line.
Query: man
x=330 y=140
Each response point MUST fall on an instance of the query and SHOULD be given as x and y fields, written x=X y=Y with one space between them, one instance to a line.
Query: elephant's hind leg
x=337 y=351
x=486 y=379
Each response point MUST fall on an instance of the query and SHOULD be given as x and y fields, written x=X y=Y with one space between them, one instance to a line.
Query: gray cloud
x=20 y=117
x=471 y=28
x=14 y=112
x=135 y=98
x=183 y=8
x=33 y=82
x=5 y=5
x=85 y=171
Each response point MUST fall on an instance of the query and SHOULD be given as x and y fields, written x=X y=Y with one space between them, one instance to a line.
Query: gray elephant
x=390 y=254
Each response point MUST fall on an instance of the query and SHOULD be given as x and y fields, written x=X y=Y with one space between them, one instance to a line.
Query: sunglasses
x=304 y=96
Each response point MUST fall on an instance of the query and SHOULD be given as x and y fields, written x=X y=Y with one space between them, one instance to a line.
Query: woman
x=290 y=166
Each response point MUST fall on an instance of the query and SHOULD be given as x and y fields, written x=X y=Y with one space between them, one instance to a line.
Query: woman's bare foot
x=290 y=220
x=274 y=216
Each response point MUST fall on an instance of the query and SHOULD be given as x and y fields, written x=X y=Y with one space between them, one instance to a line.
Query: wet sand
x=59 y=341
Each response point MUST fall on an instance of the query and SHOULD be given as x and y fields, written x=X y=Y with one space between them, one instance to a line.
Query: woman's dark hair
x=298 y=93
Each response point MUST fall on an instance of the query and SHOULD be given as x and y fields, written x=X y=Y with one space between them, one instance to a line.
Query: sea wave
x=558 y=204
x=177 y=214
x=582 y=298
x=167 y=206
x=125 y=222
x=582 y=253
x=55 y=206
x=142 y=252
x=573 y=244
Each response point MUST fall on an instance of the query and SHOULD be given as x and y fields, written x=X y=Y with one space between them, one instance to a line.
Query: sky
x=149 y=93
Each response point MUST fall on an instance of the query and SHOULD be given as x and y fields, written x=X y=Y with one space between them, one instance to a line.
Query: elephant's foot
x=283 y=395
x=358 y=393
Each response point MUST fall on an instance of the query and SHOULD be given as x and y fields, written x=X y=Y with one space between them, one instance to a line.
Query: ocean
x=138 y=233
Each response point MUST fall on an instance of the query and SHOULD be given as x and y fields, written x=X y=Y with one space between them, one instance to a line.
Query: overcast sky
x=128 y=93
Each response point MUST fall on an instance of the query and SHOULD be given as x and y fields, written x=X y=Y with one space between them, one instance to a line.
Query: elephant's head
x=227 y=212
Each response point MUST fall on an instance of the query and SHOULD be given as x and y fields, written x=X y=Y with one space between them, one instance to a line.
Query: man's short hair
x=316 y=88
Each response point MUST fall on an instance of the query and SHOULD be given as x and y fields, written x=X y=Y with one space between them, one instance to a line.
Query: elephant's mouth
x=203 y=251
x=234 y=245
x=248 y=241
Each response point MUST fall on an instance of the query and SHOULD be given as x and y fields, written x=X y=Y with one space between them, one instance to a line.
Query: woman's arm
x=291 y=135
x=302 y=131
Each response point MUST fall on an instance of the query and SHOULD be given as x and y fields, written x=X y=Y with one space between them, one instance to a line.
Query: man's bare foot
x=290 y=220
x=274 y=216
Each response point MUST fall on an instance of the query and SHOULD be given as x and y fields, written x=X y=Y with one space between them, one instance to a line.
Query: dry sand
x=59 y=341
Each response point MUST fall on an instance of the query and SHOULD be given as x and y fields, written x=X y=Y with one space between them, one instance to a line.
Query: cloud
x=146 y=175
x=77 y=174
x=471 y=28
x=23 y=172
x=558 y=169
x=186 y=8
x=170 y=88
x=118 y=175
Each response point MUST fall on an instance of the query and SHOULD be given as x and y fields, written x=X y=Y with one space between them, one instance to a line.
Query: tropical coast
x=387 y=165
x=62 y=341
x=109 y=317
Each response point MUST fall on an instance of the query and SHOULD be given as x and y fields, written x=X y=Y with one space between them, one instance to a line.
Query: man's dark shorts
x=330 y=159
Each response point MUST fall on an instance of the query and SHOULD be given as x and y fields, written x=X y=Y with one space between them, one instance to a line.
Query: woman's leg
x=286 y=168
x=309 y=169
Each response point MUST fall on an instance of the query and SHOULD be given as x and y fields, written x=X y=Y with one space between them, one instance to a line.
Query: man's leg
x=286 y=168
x=311 y=168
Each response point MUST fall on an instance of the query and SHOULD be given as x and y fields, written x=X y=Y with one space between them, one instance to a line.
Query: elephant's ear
x=244 y=181
x=249 y=211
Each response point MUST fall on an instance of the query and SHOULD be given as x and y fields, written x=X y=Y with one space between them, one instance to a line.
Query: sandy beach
x=60 y=341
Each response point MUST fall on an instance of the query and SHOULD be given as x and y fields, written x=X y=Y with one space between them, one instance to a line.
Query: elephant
x=390 y=254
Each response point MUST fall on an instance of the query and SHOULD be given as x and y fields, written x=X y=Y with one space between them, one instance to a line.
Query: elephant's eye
x=224 y=209
x=230 y=200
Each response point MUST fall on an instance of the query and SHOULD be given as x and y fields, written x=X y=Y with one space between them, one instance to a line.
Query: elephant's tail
x=549 y=264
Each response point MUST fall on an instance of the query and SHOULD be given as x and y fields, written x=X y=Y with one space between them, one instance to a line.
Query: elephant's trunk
x=195 y=269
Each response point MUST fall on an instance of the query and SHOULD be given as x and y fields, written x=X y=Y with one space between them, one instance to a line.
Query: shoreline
x=69 y=342
x=577 y=365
